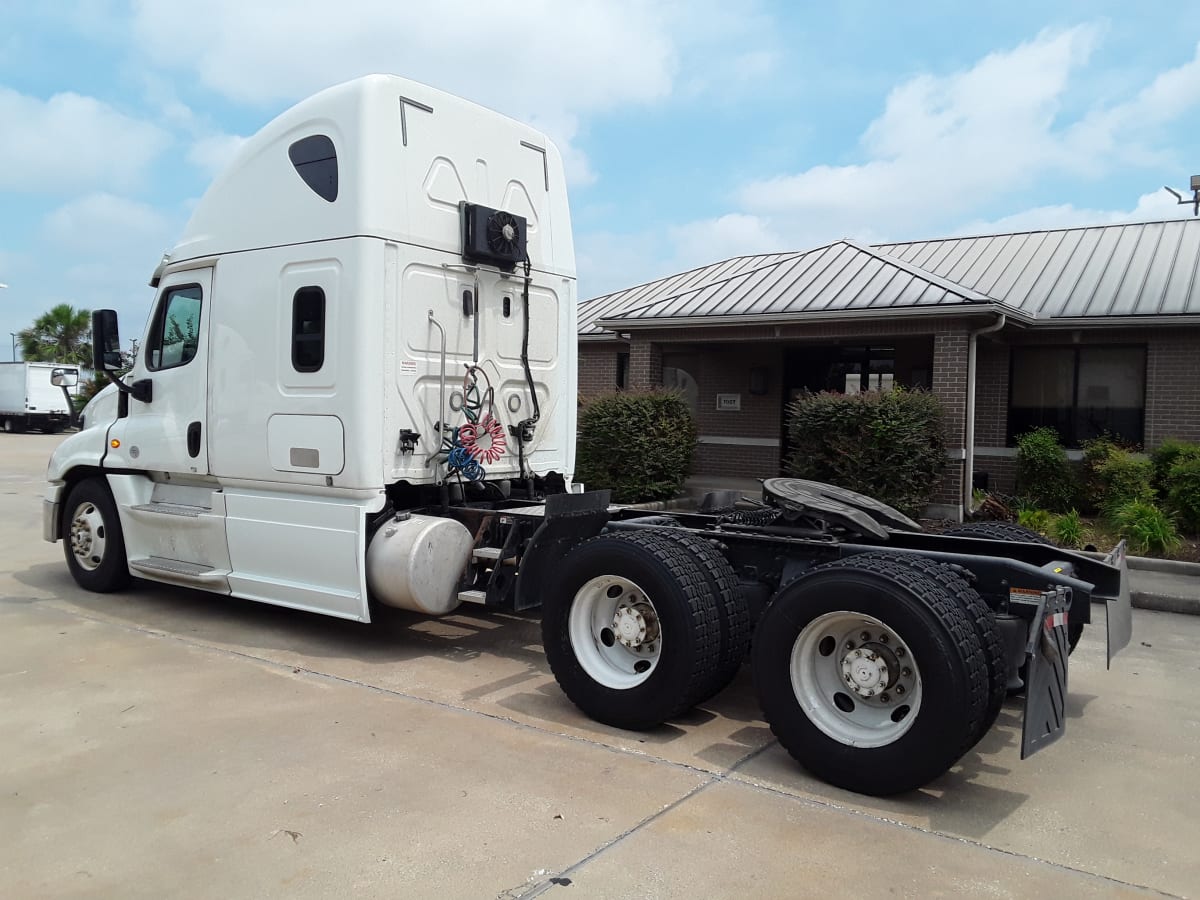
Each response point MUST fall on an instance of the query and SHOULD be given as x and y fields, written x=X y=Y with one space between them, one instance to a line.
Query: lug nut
x=865 y=636
x=883 y=639
x=899 y=651
x=899 y=689
x=849 y=645
x=884 y=697
x=906 y=672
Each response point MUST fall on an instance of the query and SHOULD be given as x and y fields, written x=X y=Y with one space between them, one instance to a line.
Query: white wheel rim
x=89 y=536
x=856 y=679
x=614 y=630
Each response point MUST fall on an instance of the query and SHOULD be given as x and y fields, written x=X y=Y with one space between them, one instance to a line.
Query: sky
x=692 y=131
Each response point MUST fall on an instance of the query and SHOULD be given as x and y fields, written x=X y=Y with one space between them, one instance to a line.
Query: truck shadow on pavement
x=416 y=656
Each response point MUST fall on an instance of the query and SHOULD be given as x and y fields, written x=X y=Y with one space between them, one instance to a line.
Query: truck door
x=169 y=432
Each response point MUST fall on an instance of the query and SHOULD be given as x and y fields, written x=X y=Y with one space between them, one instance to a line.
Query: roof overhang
x=943 y=311
x=1120 y=321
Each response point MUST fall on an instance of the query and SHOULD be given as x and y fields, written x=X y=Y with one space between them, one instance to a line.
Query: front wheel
x=871 y=675
x=92 y=538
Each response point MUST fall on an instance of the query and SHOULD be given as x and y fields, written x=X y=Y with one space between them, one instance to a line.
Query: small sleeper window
x=308 y=329
x=315 y=160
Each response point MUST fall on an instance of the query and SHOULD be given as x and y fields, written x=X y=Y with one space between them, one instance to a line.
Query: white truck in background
x=33 y=395
x=357 y=386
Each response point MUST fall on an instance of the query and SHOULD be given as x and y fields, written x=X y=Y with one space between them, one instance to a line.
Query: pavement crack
x=564 y=877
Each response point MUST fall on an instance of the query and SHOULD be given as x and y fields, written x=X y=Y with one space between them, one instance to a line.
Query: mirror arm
x=142 y=390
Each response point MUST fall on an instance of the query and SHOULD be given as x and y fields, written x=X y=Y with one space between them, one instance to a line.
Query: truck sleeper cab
x=357 y=385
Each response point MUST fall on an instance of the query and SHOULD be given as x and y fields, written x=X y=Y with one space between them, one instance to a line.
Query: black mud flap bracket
x=1119 y=609
x=1045 y=716
x=568 y=520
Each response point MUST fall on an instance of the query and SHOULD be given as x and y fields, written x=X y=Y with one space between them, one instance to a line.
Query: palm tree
x=61 y=335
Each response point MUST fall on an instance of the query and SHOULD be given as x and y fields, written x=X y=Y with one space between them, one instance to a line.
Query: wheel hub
x=635 y=625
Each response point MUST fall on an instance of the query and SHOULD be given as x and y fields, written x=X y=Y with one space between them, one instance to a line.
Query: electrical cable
x=523 y=430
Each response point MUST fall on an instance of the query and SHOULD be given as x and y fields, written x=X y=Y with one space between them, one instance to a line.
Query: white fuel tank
x=415 y=562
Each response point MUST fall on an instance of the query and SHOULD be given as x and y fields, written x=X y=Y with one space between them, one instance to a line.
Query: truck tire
x=92 y=538
x=733 y=610
x=1007 y=531
x=871 y=674
x=14 y=426
x=630 y=629
x=998 y=531
x=981 y=616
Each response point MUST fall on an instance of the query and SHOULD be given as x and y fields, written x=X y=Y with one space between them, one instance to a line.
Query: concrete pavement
x=167 y=742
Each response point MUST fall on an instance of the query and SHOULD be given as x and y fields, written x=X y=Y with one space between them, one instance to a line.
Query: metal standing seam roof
x=611 y=304
x=1144 y=269
x=840 y=276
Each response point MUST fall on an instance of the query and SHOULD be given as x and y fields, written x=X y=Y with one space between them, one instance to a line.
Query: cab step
x=479 y=597
x=177 y=570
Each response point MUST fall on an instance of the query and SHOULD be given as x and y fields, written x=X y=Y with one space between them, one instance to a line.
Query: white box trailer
x=29 y=398
x=357 y=386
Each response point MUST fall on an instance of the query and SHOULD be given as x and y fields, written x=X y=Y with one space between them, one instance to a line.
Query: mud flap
x=1119 y=609
x=1045 y=716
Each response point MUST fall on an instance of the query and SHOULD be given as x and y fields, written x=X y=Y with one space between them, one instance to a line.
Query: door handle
x=193 y=440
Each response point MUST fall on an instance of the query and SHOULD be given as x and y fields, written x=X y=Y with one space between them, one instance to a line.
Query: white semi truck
x=357 y=386
x=33 y=395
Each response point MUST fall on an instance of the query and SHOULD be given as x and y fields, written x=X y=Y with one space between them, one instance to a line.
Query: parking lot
x=166 y=741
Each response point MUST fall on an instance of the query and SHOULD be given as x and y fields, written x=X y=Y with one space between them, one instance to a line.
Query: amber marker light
x=114 y=443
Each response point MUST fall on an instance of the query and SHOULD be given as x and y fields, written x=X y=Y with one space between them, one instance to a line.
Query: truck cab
x=379 y=267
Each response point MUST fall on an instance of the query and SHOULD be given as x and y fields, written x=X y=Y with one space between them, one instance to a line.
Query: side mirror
x=106 y=342
x=64 y=378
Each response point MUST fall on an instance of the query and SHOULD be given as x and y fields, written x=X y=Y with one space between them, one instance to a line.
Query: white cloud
x=550 y=63
x=102 y=223
x=1150 y=207
x=946 y=147
x=212 y=153
x=69 y=142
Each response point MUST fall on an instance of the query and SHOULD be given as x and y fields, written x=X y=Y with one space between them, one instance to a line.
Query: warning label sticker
x=408 y=367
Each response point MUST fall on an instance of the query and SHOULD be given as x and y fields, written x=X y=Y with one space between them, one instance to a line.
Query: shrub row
x=1144 y=499
x=638 y=444
x=886 y=445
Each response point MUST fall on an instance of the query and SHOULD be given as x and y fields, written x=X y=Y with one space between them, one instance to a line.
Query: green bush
x=1067 y=529
x=1095 y=454
x=1166 y=456
x=1183 y=491
x=1044 y=476
x=1147 y=528
x=1124 y=478
x=1038 y=520
x=638 y=444
x=886 y=445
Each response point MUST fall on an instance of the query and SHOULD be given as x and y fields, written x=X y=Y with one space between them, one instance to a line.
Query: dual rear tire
x=876 y=672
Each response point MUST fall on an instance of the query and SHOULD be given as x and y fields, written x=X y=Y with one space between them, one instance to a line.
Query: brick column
x=950 y=387
x=645 y=364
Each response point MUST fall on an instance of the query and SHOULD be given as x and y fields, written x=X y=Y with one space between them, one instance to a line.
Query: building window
x=308 y=329
x=315 y=160
x=175 y=337
x=1081 y=392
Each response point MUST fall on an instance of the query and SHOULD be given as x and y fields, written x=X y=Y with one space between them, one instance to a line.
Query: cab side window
x=176 y=334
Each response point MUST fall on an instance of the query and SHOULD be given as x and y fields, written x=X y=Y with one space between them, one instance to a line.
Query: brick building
x=1088 y=330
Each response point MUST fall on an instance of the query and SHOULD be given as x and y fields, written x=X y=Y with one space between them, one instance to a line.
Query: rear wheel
x=733 y=611
x=980 y=615
x=871 y=674
x=92 y=539
x=630 y=629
